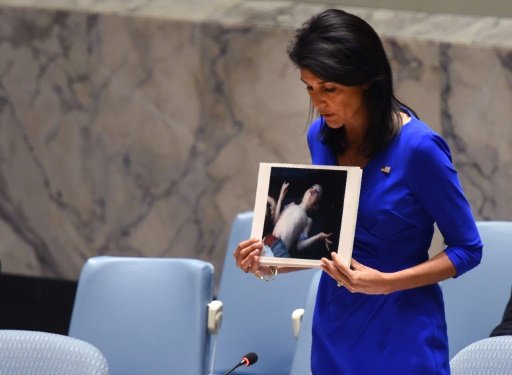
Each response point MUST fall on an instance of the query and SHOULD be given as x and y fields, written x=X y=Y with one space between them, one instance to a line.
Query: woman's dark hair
x=339 y=47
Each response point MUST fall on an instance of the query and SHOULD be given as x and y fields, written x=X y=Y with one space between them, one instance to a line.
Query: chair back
x=256 y=314
x=147 y=315
x=43 y=353
x=492 y=355
x=474 y=302
x=301 y=364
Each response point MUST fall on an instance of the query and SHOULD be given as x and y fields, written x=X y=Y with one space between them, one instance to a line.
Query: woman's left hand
x=357 y=278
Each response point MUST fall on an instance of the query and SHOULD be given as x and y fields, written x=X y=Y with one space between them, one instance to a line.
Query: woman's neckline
x=405 y=117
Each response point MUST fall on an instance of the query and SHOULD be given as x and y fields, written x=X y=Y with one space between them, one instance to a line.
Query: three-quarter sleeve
x=434 y=180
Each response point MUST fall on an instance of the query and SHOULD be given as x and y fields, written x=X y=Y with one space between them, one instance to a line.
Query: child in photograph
x=293 y=223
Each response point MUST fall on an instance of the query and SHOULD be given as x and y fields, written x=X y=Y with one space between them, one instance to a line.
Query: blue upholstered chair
x=43 y=353
x=146 y=315
x=492 y=356
x=256 y=314
x=475 y=301
x=301 y=364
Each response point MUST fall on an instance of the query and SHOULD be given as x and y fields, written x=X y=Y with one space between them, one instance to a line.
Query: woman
x=384 y=314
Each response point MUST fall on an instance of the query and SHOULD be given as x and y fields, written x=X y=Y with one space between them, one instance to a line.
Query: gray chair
x=489 y=356
x=146 y=315
x=43 y=353
x=256 y=314
x=475 y=301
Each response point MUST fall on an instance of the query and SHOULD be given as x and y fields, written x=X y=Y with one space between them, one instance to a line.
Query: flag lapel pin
x=386 y=169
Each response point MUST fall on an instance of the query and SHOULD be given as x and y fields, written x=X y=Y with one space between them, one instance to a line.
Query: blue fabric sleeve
x=434 y=179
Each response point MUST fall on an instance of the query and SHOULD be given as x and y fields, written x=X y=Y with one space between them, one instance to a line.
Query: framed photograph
x=304 y=212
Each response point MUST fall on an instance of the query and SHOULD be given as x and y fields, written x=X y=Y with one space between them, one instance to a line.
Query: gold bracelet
x=271 y=276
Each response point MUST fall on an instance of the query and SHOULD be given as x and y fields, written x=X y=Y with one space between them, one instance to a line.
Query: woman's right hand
x=247 y=255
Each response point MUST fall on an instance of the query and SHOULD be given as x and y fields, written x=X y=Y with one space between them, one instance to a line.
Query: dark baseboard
x=38 y=304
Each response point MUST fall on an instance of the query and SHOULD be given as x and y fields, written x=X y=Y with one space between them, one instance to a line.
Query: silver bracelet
x=271 y=276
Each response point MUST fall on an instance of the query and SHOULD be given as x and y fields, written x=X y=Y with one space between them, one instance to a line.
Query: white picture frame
x=334 y=212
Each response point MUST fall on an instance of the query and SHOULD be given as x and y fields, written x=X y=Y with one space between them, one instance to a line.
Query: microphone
x=247 y=360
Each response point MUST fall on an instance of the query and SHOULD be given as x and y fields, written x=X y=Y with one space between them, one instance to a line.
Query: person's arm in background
x=505 y=327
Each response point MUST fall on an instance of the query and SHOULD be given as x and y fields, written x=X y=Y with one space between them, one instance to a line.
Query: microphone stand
x=247 y=360
x=234 y=368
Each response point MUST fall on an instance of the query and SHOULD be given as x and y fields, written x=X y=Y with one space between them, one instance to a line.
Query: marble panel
x=136 y=128
x=96 y=135
x=476 y=121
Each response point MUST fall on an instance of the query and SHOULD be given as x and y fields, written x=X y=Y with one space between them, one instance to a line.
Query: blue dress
x=403 y=332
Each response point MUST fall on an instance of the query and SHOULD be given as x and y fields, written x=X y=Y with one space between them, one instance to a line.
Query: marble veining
x=136 y=128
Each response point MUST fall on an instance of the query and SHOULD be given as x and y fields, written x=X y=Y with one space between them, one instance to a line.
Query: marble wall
x=136 y=128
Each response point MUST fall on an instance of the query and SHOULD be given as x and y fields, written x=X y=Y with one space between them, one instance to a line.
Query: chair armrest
x=297 y=315
x=214 y=316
